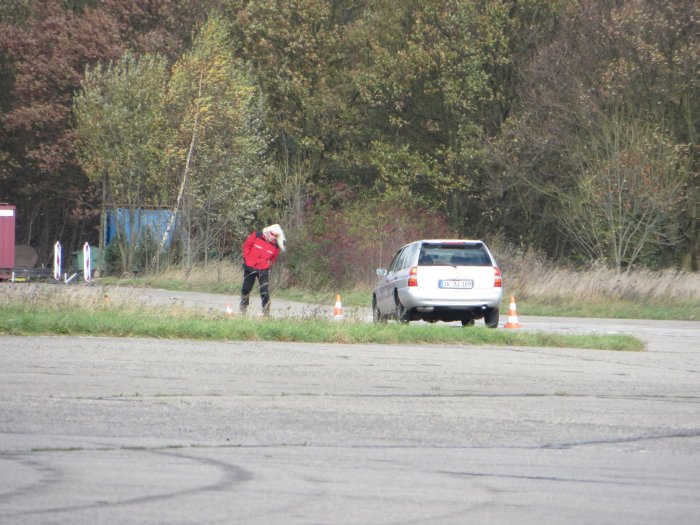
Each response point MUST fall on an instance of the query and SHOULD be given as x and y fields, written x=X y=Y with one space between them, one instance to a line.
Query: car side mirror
x=381 y=272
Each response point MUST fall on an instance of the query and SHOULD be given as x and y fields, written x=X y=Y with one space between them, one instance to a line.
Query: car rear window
x=453 y=254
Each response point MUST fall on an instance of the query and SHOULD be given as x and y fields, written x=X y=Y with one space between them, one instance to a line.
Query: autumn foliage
x=476 y=118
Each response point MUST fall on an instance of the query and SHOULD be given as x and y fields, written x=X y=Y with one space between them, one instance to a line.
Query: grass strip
x=685 y=310
x=24 y=320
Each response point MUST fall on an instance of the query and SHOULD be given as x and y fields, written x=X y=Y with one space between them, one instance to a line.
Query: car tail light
x=413 y=276
x=497 y=281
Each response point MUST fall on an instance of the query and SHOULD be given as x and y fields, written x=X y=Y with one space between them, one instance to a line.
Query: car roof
x=454 y=241
x=445 y=241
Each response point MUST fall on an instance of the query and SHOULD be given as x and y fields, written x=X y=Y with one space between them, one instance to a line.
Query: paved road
x=102 y=430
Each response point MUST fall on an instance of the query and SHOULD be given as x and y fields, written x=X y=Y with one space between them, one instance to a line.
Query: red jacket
x=258 y=253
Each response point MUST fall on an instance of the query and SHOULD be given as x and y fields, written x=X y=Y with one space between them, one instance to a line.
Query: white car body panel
x=428 y=291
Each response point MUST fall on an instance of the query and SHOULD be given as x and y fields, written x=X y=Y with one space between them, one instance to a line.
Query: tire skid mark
x=537 y=478
x=231 y=476
x=632 y=439
x=49 y=476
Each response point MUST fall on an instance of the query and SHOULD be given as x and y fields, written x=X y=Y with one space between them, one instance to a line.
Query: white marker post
x=86 y=263
x=57 y=261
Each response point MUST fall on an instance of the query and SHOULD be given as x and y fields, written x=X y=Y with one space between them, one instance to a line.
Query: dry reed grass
x=529 y=275
x=526 y=275
x=55 y=296
x=78 y=296
x=218 y=276
x=199 y=275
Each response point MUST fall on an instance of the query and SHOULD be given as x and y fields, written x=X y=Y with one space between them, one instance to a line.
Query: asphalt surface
x=106 y=430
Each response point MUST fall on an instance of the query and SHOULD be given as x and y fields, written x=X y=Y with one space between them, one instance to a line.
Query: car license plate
x=456 y=283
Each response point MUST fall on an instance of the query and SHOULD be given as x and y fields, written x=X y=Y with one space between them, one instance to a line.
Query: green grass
x=686 y=310
x=25 y=320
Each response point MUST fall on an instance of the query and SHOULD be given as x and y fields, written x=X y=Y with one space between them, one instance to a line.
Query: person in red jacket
x=260 y=250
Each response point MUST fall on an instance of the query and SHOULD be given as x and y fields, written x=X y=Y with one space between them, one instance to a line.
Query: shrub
x=345 y=246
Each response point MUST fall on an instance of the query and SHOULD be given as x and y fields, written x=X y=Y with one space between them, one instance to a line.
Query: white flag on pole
x=86 y=262
x=57 y=261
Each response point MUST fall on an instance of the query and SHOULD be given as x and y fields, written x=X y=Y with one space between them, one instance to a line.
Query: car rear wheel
x=468 y=321
x=401 y=312
x=377 y=316
x=491 y=317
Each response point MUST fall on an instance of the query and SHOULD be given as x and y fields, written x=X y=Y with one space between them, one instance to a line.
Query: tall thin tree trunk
x=103 y=216
x=183 y=184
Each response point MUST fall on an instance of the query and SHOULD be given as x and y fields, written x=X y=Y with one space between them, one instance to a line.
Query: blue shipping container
x=153 y=222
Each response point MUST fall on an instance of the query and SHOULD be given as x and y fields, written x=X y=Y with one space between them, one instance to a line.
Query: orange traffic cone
x=338 y=310
x=512 y=315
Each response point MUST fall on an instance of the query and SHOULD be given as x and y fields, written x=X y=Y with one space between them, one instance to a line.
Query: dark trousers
x=249 y=277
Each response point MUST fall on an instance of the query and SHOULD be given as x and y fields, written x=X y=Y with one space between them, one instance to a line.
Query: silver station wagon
x=440 y=280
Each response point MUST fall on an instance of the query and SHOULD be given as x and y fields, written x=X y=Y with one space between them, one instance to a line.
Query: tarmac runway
x=107 y=430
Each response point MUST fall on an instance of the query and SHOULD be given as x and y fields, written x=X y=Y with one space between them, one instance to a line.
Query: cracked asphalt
x=107 y=430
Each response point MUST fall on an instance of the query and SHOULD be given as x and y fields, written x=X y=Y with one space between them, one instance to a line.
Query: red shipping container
x=7 y=240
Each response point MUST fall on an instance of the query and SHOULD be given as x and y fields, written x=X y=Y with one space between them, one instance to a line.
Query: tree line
x=568 y=127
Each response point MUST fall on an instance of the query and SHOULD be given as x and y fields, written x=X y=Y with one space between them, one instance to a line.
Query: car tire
x=468 y=321
x=491 y=317
x=401 y=313
x=377 y=316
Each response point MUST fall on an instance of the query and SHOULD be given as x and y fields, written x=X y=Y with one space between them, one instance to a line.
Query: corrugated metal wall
x=152 y=220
